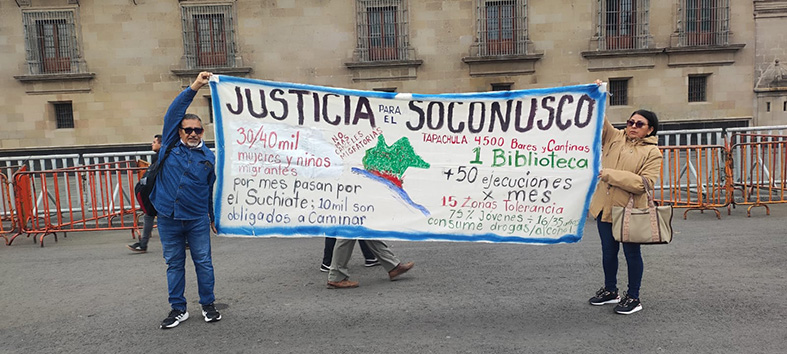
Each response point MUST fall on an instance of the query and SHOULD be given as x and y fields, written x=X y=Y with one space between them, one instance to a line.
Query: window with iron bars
x=698 y=88
x=704 y=22
x=51 y=42
x=502 y=27
x=64 y=115
x=382 y=30
x=623 y=24
x=618 y=92
x=210 y=109
x=208 y=36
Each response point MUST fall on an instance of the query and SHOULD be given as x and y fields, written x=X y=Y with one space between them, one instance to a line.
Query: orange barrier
x=142 y=163
x=8 y=221
x=23 y=207
x=95 y=197
x=762 y=162
x=693 y=177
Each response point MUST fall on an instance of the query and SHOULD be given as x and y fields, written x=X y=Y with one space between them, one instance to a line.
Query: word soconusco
x=560 y=111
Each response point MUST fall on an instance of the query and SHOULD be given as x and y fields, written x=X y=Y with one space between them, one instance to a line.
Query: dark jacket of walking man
x=183 y=198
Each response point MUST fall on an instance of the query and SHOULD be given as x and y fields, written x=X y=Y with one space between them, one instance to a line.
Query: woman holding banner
x=627 y=155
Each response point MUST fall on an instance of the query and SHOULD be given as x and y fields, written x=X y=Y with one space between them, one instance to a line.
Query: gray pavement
x=718 y=288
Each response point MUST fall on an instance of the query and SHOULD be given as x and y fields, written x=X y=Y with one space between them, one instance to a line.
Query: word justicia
x=515 y=115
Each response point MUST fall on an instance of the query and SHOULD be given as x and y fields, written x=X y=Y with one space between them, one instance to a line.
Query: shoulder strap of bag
x=160 y=163
x=654 y=221
x=627 y=219
x=169 y=149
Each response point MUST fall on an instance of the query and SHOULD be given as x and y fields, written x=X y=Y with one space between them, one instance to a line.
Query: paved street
x=718 y=288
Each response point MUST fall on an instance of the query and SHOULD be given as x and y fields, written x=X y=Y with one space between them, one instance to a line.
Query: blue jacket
x=184 y=186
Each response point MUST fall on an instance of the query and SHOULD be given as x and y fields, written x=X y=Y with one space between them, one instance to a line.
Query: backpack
x=144 y=186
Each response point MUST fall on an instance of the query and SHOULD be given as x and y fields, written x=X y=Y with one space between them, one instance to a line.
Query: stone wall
x=133 y=51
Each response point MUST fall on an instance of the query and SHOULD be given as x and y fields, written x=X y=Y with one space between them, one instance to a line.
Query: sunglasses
x=193 y=130
x=635 y=123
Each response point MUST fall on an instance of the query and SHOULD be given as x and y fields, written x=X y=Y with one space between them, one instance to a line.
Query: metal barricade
x=693 y=177
x=38 y=162
x=94 y=197
x=99 y=158
x=691 y=137
x=8 y=222
x=761 y=160
x=22 y=206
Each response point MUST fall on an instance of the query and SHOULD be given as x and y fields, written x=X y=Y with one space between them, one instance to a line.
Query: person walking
x=627 y=155
x=370 y=260
x=339 y=275
x=147 y=223
x=183 y=198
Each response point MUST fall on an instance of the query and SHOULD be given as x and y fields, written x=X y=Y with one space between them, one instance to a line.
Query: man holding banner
x=183 y=197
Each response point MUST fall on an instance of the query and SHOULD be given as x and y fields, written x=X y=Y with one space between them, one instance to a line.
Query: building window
x=502 y=27
x=501 y=87
x=382 y=30
x=704 y=22
x=618 y=92
x=51 y=42
x=767 y=106
x=698 y=88
x=64 y=115
x=210 y=109
x=208 y=36
x=623 y=24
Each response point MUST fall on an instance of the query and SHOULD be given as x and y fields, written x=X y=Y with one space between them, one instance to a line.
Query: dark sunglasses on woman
x=632 y=123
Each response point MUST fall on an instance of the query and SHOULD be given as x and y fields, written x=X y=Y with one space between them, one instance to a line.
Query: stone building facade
x=102 y=72
x=770 y=88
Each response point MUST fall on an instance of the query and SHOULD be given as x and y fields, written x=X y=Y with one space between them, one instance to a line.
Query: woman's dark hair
x=653 y=121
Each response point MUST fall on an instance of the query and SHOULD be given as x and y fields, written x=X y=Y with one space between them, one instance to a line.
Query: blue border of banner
x=360 y=232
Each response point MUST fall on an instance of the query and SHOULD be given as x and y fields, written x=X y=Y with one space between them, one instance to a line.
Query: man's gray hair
x=190 y=116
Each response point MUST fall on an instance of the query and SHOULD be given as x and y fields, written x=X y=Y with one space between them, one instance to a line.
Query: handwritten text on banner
x=300 y=160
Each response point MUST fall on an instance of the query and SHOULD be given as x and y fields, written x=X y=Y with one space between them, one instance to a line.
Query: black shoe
x=371 y=262
x=174 y=318
x=628 y=305
x=324 y=268
x=603 y=296
x=136 y=248
x=210 y=313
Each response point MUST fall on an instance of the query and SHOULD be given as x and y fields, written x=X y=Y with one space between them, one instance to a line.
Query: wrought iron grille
x=704 y=22
x=51 y=42
x=64 y=115
x=698 y=87
x=501 y=27
x=208 y=36
x=618 y=92
x=382 y=30
x=623 y=24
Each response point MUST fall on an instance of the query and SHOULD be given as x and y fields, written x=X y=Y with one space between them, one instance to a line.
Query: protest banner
x=302 y=160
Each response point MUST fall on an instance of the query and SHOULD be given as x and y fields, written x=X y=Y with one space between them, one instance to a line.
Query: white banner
x=508 y=166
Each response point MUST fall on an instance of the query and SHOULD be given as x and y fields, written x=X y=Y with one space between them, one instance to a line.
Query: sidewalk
x=718 y=288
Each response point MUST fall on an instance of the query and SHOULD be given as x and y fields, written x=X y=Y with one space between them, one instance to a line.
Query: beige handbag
x=651 y=225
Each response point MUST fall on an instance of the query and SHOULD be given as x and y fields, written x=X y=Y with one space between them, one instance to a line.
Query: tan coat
x=623 y=161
